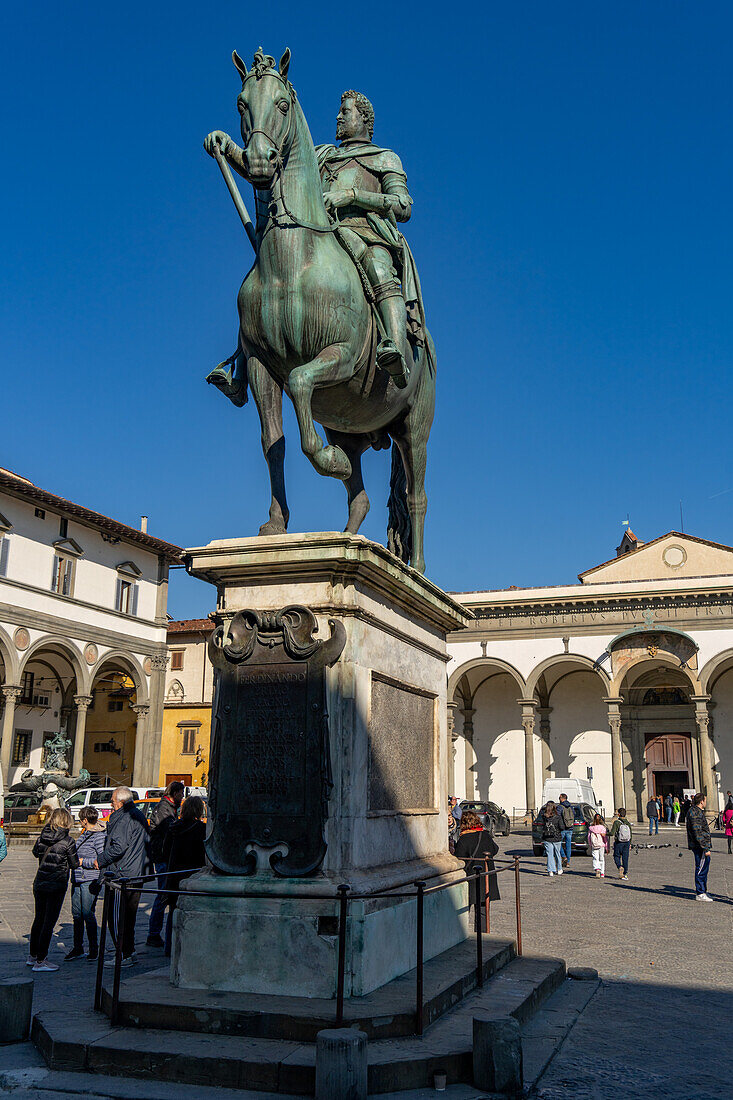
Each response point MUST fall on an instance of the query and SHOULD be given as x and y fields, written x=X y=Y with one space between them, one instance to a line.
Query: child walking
x=598 y=844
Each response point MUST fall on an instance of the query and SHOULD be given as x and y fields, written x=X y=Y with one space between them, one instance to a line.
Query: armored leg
x=391 y=306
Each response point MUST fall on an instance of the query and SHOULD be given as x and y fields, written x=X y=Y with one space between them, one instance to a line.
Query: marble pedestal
x=387 y=818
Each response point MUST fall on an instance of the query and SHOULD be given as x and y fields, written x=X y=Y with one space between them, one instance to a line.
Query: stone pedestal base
x=384 y=807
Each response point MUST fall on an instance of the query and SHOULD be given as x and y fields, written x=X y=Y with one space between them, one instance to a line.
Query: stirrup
x=391 y=360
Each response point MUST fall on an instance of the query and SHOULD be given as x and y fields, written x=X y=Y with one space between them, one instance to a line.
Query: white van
x=577 y=790
x=99 y=797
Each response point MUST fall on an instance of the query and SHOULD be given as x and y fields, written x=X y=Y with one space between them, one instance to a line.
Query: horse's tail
x=399 y=528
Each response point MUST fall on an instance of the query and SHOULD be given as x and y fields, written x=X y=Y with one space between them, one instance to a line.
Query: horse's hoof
x=331 y=461
x=273 y=527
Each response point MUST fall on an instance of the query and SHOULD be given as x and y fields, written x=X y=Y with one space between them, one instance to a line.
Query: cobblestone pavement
x=659 y=1021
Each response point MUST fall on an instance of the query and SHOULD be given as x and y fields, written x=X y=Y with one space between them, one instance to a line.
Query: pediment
x=5 y=524
x=68 y=546
x=668 y=557
x=129 y=569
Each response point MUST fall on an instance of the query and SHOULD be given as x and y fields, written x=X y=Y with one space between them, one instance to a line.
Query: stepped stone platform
x=254 y=1043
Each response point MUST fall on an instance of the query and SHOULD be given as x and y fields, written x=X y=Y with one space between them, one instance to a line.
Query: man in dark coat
x=127 y=855
x=652 y=812
x=700 y=844
x=161 y=819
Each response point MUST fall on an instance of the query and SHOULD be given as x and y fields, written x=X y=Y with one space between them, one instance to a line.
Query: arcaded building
x=625 y=677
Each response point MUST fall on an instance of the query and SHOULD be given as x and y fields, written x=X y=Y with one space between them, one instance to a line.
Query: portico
x=625 y=678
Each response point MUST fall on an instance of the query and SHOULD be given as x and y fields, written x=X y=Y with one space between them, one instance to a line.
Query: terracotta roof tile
x=190 y=626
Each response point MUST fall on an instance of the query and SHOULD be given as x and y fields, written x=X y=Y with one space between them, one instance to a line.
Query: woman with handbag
x=477 y=848
x=56 y=852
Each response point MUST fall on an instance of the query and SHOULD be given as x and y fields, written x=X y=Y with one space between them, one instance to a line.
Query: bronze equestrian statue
x=331 y=311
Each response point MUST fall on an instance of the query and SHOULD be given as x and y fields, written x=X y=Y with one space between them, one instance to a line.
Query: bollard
x=16 y=1000
x=341 y=1064
x=497 y=1055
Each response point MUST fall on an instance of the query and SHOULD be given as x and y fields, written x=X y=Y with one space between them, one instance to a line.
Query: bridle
x=273 y=222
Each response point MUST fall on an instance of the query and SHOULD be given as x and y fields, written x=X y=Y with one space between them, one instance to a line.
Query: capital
x=159 y=662
x=141 y=709
x=83 y=702
x=12 y=691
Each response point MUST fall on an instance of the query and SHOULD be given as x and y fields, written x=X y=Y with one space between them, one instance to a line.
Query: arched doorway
x=111 y=727
x=48 y=681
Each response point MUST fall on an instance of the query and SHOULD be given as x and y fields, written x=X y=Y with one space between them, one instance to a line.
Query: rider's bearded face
x=350 y=122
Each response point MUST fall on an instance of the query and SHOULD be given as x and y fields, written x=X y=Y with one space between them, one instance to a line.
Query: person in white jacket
x=598 y=844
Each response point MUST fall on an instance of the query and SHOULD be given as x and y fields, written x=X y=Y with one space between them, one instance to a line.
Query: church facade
x=625 y=678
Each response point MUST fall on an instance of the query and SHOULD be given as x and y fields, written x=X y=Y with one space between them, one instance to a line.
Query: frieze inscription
x=631 y=613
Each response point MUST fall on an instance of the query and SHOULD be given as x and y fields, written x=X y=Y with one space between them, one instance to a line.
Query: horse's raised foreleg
x=353 y=447
x=412 y=439
x=334 y=364
x=269 y=400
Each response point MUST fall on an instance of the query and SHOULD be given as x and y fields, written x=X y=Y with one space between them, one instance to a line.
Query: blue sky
x=570 y=165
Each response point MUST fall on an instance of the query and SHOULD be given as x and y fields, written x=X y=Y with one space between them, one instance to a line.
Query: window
x=22 y=747
x=63 y=575
x=77 y=799
x=26 y=683
x=115 y=704
x=101 y=798
x=40 y=514
x=189 y=740
x=176 y=660
x=126 y=597
x=63 y=528
x=4 y=551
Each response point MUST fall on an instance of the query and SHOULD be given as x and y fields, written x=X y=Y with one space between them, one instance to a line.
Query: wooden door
x=185 y=779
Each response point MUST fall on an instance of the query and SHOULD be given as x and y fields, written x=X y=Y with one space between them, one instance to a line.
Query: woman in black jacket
x=552 y=827
x=56 y=852
x=183 y=850
x=477 y=847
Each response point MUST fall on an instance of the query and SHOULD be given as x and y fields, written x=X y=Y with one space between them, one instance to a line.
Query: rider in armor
x=365 y=189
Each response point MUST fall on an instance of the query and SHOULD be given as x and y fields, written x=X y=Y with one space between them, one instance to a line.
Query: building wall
x=173 y=760
x=188 y=695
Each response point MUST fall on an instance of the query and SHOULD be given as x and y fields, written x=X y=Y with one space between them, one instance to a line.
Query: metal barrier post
x=119 y=933
x=487 y=899
x=102 y=945
x=419 y=983
x=343 y=892
x=518 y=904
x=479 y=936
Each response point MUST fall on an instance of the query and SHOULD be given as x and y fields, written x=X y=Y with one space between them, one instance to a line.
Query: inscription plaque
x=401 y=748
x=270 y=763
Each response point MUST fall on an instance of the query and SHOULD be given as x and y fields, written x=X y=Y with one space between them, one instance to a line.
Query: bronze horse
x=307 y=328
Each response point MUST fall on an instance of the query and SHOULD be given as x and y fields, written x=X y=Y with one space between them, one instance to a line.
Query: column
x=528 y=719
x=707 y=778
x=452 y=738
x=141 y=710
x=544 y=713
x=82 y=704
x=468 y=713
x=11 y=694
x=617 y=761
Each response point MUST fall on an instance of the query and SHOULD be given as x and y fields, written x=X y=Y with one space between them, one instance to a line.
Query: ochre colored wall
x=172 y=760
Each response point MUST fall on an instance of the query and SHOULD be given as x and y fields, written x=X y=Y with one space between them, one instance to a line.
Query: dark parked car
x=584 y=815
x=19 y=806
x=494 y=817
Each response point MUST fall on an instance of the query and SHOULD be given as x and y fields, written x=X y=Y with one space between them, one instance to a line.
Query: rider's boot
x=390 y=358
x=230 y=377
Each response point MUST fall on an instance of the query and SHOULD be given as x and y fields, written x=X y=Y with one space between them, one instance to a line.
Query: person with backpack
x=652 y=812
x=621 y=836
x=598 y=845
x=55 y=851
x=676 y=810
x=567 y=816
x=161 y=819
x=668 y=805
x=552 y=826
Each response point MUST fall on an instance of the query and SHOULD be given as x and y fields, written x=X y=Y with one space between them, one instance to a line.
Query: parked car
x=99 y=797
x=494 y=817
x=584 y=814
x=147 y=805
x=19 y=806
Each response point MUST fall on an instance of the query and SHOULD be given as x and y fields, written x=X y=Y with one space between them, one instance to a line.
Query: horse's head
x=265 y=106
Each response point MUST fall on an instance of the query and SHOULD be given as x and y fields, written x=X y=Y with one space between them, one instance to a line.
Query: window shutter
x=4 y=548
x=133 y=600
x=55 y=578
x=118 y=595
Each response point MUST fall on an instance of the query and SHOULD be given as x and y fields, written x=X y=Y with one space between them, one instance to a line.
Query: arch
x=483 y=662
x=9 y=654
x=579 y=660
x=52 y=642
x=715 y=664
x=653 y=662
x=126 y=663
